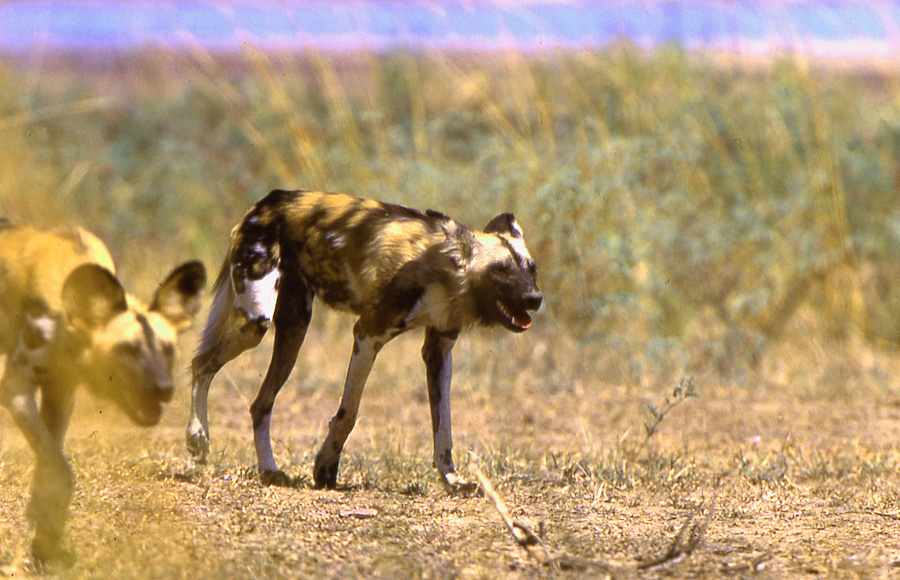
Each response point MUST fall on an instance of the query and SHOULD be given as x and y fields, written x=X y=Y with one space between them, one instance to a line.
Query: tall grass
x=682 y=209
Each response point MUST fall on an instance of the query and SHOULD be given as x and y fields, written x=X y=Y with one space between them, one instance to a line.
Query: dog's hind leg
x=292 y=315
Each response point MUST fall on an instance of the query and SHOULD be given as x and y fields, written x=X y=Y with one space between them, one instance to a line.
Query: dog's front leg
x=365 y=349
x=438 y=356
x=53 y=481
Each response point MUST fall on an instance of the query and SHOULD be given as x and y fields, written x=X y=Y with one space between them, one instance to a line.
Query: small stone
x=361 y=513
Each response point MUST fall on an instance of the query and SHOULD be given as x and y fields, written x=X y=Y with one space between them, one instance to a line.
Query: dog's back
x=347 y=248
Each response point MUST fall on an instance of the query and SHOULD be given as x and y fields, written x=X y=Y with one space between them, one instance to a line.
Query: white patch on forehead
x=493 y=248
x=518 y=246
x=259 y=296
x=163 y=330
x=488 y=249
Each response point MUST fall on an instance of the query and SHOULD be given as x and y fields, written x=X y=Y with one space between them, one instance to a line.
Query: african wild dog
x=64 y=320
x=396 y=268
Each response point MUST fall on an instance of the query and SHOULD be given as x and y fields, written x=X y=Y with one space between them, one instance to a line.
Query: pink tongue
x=523 y=322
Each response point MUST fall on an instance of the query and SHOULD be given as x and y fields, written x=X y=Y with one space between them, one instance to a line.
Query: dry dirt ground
x=790 y=471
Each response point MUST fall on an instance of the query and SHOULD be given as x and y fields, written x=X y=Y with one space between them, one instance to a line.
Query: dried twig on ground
x=683 y=544
x=523 y=535
x=685 y=541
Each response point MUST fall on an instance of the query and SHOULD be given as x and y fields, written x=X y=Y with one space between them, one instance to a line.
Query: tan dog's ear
x=180 y=297
x=92 y=296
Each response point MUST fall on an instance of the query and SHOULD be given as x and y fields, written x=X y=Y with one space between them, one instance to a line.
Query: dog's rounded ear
x=180 y=297
x=92 y=296
x=505 y=224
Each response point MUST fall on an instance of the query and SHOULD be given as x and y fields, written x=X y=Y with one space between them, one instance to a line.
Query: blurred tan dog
x=65 y=320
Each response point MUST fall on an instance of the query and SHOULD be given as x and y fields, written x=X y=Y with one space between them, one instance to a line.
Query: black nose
x=533 y=301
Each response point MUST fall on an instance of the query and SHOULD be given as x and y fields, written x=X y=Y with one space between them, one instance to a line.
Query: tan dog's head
x=127 y=350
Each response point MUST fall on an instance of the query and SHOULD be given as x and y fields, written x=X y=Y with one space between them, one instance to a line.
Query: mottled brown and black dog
x=396 y=268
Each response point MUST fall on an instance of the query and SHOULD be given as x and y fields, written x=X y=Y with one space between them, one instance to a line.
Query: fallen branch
x=682 y=545
x=522 y=534
x=685 y=542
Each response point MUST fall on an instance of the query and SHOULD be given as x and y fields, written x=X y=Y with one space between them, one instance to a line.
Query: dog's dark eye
x=501 y=268
x=532 y=268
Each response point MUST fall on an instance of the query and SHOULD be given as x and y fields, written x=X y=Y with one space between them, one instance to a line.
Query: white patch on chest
x=437 y=308
x=259 y=296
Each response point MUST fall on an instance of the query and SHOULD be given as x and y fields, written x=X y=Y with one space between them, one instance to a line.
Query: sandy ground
x=777 y=481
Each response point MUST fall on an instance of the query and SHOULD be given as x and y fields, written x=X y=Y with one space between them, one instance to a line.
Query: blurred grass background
x=688 y=213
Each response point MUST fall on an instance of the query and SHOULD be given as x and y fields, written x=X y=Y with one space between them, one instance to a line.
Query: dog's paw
x=325 y=476
x=456 y=485
x=48 y=550
x=198 y=446
x=275 y=478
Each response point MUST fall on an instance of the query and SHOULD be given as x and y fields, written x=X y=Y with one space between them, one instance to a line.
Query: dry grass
x=805 y=479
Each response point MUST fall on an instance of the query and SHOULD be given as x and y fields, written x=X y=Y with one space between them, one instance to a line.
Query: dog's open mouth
x=515 y=321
